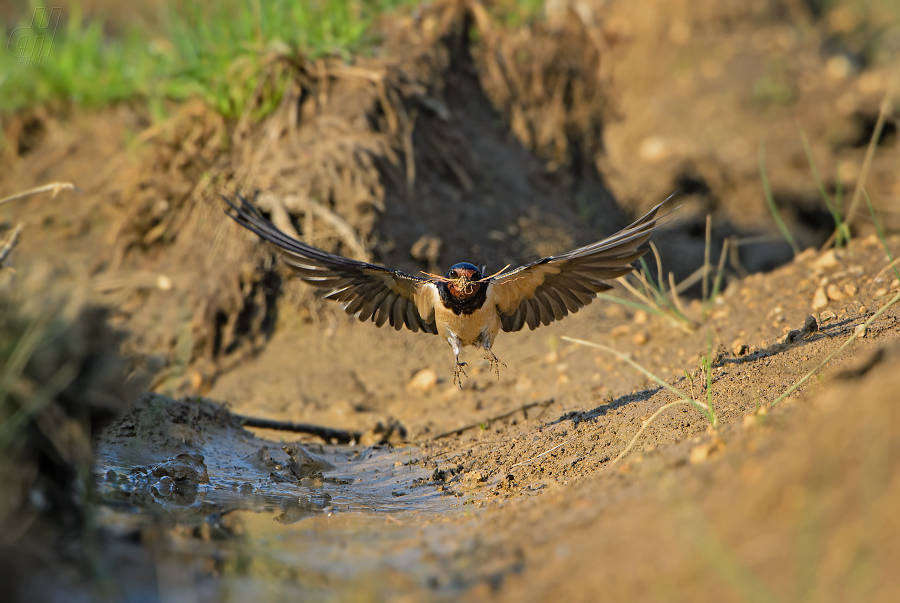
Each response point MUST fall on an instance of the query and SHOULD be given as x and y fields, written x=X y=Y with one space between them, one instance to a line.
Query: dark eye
x=453 y=274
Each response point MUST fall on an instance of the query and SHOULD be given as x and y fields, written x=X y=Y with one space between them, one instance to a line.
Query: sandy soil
x=509 y=488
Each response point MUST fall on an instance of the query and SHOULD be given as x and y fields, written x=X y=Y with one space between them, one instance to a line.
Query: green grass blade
x=842 y=234
x=770 y=200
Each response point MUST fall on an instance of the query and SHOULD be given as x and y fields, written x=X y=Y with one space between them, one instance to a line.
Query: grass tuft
x=227 y=53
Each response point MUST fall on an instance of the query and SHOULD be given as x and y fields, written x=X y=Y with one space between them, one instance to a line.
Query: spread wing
x=367 y=291
x=550 y=288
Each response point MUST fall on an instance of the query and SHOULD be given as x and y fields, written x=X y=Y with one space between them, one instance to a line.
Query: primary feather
x=368 y=291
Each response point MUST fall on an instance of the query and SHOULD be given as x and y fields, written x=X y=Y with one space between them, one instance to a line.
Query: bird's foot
x=459 y=373
x=495 y=362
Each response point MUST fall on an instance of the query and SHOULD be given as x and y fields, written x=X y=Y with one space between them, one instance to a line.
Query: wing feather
x=553 y=287
x=368 y=291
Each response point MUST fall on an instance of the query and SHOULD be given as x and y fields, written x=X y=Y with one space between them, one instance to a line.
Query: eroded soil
x=505 y=488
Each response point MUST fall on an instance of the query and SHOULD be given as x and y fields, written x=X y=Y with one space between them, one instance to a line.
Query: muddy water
x=223 y=512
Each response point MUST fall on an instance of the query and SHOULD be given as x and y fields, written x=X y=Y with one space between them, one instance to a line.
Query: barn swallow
x=464 y=307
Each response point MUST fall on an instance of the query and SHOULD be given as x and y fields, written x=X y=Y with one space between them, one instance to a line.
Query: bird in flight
x=464 y=307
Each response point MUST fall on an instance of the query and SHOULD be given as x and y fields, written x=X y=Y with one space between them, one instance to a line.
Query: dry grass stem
x=9 y=244
x=545 y=453
x=885 y=110
x=856 y=333
x=643 y=428
x=53 y=187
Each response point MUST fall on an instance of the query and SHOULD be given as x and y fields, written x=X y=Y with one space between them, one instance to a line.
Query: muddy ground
x=468 y=138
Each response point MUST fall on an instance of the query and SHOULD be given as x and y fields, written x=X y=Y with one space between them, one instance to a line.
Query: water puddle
x=222 y=511
x=192 y=459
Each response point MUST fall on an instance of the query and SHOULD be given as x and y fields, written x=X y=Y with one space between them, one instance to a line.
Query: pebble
x=861 y=331
x=619 y=331
x=827 y=260
x=422 y=382
x=750 y=421
x=738 y=347
x=640 y=338
x=473 y=477
x=704 y=451
x=820 y=300
x=850 y=289
x=834 y=292
x=654 y=149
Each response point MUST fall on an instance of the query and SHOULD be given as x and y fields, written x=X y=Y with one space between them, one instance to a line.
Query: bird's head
x=463 y=279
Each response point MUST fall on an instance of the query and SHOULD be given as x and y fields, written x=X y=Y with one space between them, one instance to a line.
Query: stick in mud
x=329 y=434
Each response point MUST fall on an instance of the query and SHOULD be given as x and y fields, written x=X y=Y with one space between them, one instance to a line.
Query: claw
x=495 y=362
x=457 y=371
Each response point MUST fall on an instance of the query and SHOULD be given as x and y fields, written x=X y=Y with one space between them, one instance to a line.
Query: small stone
x=881 y=292
x=619 y=331
x=861 y=331
x=654 y=149
x=196 y=380
x=640 y=338
x=702 y=452
x=827 y=260
x=422 y=382
x=750 y=421
x=163 y=282
x=738 y=347
x=806 y=255
x=641 y=317
x=863 y=310
x=834 y=292
x=895 y=283
x=820 y=300
x=850 y=289
x=523 y=384
x=472 y=478
x=838 y=67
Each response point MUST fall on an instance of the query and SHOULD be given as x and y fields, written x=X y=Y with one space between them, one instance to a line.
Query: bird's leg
x=495 y=362
x=458 y=372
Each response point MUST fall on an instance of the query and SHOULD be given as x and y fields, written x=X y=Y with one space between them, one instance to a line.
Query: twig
x=643 y=428
x=546 y=452
x=492 y=419
x=54 y=187
x=329 y=434
x=9 y=244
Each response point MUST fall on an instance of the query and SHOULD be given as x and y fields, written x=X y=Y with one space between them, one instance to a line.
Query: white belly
x=478 y=328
